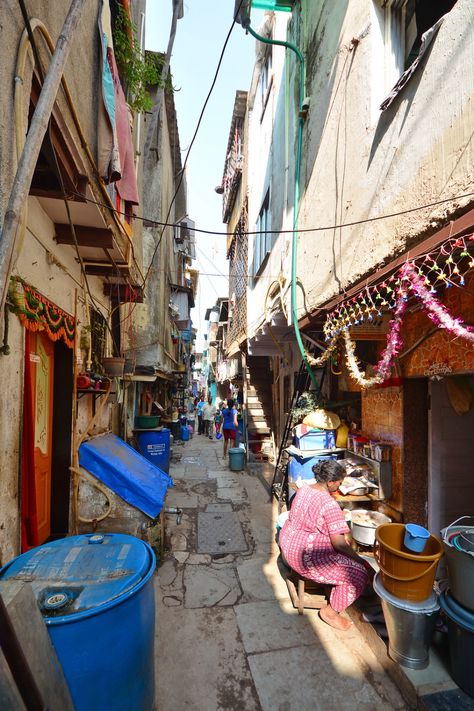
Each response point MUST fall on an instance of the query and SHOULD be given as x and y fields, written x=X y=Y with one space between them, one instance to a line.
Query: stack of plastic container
x=313 y=445
x=458 y=602
x=408 y=558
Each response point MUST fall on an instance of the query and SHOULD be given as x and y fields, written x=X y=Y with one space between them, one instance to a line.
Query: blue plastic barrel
x=184 y=433
x=155 y=446
x=97 y=598
x=236 y=459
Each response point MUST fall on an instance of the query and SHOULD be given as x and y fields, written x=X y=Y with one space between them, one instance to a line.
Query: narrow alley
x=228 y=636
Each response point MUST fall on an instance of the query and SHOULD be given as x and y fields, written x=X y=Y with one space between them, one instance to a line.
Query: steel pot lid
x=78 y=575
x=427 y=607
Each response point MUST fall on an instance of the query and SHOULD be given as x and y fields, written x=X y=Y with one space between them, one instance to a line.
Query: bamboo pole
x=74 y=453
x=34 y=140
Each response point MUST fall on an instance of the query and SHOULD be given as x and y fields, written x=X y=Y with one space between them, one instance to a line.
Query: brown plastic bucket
x=408 y=576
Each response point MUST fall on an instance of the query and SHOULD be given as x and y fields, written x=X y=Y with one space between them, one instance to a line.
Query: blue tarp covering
x=131 y=476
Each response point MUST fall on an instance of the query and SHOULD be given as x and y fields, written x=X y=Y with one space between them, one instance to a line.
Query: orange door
x=41 y=354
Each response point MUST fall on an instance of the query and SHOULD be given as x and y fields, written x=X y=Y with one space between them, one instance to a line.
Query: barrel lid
x=74 y=576
x=427 y=606
x=456 y=612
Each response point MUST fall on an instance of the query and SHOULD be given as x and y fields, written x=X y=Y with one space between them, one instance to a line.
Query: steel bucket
x=410 y=627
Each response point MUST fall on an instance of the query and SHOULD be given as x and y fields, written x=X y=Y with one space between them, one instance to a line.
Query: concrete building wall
x=269 y=140
x=155 y=346
x=51 y=268
x=54 y=271
x=360 y=163
x=84 y=50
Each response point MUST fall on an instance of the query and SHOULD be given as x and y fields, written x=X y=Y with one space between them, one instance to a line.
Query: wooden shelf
x=350 y=497
x=382 y=473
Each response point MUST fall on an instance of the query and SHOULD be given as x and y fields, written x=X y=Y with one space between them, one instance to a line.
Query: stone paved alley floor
x=228 y=636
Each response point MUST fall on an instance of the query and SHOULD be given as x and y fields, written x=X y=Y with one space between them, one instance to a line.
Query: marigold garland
x=37 y=313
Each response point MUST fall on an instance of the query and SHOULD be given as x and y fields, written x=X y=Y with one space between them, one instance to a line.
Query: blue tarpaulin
x=131 y=476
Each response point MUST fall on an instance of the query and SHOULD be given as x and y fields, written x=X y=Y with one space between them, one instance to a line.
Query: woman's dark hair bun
x=328 y=470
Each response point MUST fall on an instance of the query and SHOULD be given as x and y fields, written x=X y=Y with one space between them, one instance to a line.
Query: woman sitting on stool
x=313 y=544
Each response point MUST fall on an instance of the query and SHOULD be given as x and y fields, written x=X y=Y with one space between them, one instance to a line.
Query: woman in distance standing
x=229 y=425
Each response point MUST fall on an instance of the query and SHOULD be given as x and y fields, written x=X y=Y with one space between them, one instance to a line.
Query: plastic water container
x=301 y=468
x=96 y=595
x=416 y=537
x=154 y=445
x=185 y=433
x=316 y=439
x=410 y=626
x=236 y=459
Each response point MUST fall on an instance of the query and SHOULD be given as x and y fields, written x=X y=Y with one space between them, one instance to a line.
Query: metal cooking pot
x=361 y=491
x=361 y=532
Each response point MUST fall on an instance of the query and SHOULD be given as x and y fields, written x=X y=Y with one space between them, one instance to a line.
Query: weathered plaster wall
x=268 y=146
x=54 y=271
x=154 y=346
x=359 y=163
x=84 y=51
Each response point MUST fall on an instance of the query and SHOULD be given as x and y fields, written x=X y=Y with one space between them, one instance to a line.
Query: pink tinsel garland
x=437 y=312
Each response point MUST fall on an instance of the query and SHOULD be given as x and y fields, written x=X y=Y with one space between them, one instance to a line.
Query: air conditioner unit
x=182 y=232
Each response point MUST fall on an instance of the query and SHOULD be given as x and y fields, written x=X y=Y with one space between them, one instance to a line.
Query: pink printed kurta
x=306 y=545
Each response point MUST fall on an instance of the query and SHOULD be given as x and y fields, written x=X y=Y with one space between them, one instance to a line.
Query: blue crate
x=316 y=439
x=302 y=467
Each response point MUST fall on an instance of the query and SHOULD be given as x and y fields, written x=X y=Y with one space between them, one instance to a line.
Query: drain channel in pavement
x=219 y=532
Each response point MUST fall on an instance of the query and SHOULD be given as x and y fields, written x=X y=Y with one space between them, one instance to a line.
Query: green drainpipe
x=294 y=241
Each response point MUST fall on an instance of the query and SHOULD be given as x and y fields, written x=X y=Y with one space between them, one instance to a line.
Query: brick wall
x=382 y=418
x=441 y=347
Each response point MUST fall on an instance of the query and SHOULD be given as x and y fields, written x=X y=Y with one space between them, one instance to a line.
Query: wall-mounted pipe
x=299 y=148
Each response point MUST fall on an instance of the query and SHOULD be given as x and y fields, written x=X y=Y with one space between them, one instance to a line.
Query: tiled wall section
x=456 y=353
x=382 y=418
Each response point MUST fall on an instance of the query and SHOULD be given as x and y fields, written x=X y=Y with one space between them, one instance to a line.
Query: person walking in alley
x=200 y=407
x=313 y=543
x=229 y=425
x=208 y=414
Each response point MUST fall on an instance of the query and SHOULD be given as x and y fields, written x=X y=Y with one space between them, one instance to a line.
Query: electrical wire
x=324 y=228
x=206 y=101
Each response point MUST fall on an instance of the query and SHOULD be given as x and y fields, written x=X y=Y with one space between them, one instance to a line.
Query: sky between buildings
x=199 y=40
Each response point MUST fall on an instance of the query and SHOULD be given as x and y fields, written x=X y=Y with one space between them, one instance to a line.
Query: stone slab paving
x=181 y=500
x=228 y=638
x=208 y=587
x=260 y=579
x=219 y=507
x=201 y=663
x=267 y=625
x=231 y=494
x=305 y=679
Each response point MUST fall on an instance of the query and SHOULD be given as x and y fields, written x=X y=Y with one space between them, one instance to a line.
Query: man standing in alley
x=208 y=415
x=200 y=407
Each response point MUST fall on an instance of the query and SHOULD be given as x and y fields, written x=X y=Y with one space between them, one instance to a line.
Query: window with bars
x=263 y=237
x=238 y=281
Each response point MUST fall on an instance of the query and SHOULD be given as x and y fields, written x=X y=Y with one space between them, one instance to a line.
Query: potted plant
x=113 y=366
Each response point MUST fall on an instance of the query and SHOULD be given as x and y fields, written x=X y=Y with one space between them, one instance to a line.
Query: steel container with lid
x=97 y=599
